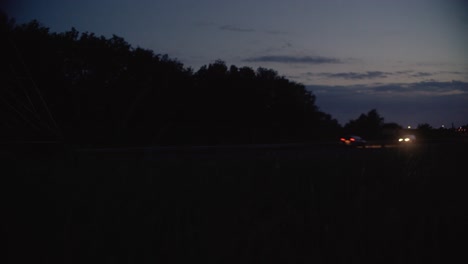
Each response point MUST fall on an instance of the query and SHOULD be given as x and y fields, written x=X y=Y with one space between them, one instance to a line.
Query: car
x=353 y=140
x=407 y=139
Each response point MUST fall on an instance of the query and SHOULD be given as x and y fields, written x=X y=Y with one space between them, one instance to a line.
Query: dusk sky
x=406 y=58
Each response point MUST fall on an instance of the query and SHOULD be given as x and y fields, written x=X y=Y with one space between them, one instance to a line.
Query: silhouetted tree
x=427 y=131
x=101 y=90
x=424 y=126
x=368 y=125
x=390 y=131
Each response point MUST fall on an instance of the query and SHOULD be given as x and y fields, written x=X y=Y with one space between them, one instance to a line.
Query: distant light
x=443 y=126
x=409 y=127
x=400 y=140
x=407 y=139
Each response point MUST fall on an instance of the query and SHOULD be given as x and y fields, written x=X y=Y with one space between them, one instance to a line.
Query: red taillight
x=342 y=139
x=352 y=139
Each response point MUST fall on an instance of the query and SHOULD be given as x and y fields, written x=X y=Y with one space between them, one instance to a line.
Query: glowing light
x=409 y=127
x=400 y=140
x=407 y=139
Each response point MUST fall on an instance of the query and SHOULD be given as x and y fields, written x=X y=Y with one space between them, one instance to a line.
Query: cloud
x=355 y=75
x=404 y=72
x=287 y=45
x=287 y=59
x=422 y=74
x=453 y=72
x=235 y=28
x=276 y=32
x=426 y=89
x=369 y=75
x=407 y=104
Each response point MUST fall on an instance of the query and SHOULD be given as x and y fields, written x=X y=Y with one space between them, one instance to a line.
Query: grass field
x=267 y=204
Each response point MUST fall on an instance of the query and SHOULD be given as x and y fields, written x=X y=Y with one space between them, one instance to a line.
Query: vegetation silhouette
x=102 y=91
x=369 y=125
x=237 y=205
x=84 y=89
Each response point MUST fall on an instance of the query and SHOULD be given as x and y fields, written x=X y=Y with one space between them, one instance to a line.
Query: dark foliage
x=87 y=89
x=369 y=125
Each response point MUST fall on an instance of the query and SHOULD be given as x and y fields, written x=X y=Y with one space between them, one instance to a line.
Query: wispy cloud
x=404 y=72
x=443 y=100
x=235 y=28
x=422 y=74
x=426 y=88
x=435 y=88
x=355 y=75
x=453 y=72
x=369 y=75
x=276 y=32
x=294 y=59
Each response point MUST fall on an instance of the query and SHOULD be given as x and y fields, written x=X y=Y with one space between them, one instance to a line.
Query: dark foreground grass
x=302 y=204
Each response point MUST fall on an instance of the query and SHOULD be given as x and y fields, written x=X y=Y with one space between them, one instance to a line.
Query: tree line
x=92 y=90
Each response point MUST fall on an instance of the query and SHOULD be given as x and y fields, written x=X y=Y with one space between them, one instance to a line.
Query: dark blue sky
x=407 y=58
